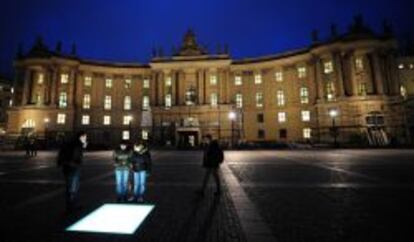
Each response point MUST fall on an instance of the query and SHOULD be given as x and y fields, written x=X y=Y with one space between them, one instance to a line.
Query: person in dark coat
x=140 y=163
x=26 y=145
x=212 y=158
x=32 y=145
x=121 y=157
x=70 y=158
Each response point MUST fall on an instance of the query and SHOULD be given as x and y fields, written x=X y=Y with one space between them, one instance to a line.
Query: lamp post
x=333 y=113
x=46 y=121
x=232 y=117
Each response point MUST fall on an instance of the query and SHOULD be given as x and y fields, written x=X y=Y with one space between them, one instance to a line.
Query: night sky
x=128 y=30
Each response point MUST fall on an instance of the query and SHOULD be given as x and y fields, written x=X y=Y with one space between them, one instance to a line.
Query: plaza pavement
x=291 y=195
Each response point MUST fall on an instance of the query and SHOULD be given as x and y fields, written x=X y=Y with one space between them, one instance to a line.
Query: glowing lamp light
x=232 y=115
x=113 y=218
x=333 y=113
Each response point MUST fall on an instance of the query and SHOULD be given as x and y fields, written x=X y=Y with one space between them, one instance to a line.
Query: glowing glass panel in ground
x=113 y=218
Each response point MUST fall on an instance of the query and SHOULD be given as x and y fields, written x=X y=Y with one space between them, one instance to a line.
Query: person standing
x=70 y=158
x=212 y=158
x=141 y=165
x=121 y=157
x=26 y=145
x=33 y=145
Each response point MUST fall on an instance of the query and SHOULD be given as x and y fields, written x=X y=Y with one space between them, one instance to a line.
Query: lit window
x=401 y=66
x=304 y=95
x=127 y=119
x=213 y=99
x=259 y=99
x=168 y=100
x=362 y=89
x=87 y=82
x=403 y=91
x=305 y=116
x=168 y=81
x=280 y=98
x=85 y=119
x=258 y=79
x=239 y=100
x=86 y=101
x=127 y=103
x=301 y=72
x=279 y=76
x=330 y=91
x=107 y=120
x=359 y=63
x=108 y=102
x=127 y=83
x=108 y=83
x=307 y=133
x=63 y=100
x=328 y=67
x=40 y=78
x=125 y=134
x=213 y=79
x=144 y=134
x=190 y=96
x=64 y=78
x=145 y=102
x=238 y=80
x=281 y=117
x=61 y=118
x=146 y=83
x=29 y=123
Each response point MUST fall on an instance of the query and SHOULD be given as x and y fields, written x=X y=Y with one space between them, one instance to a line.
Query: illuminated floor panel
x=113 y=218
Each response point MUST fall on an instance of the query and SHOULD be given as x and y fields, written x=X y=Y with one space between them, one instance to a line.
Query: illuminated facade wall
x=176 y=99
x=6 y=93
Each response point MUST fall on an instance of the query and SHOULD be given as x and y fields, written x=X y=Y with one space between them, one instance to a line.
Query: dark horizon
x=128 y=31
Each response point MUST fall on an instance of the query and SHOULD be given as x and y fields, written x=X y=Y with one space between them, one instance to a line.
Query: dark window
x=260 y=118
x=375 y=120
x=260 y=134
x=283 y=133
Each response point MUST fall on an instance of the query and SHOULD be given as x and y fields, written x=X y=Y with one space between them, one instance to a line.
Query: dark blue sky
x=127 y=30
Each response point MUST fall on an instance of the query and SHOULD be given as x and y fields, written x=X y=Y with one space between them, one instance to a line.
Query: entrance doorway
x=187 y=139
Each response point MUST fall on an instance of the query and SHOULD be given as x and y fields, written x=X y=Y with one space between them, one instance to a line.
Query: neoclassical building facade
x=344 y=88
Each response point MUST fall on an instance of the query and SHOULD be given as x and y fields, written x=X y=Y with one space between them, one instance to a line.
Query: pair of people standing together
x=137 y=161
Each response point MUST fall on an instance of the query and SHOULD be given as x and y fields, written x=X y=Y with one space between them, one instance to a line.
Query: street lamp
x=333 y=113
x=232 y=117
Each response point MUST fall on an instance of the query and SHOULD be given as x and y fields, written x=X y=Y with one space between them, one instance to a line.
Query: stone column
x=177 y=88
x=354 y=83
x=53 y=87
x=319 y=80
x=226 y=80
x=198 y=87
x=379 y=74
x=393 y=80
x=71 y=88
x=154 y=88
x=173 y=90
x=161 y=85
x=339 y=75
x=220 y=76
x=26 y=86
